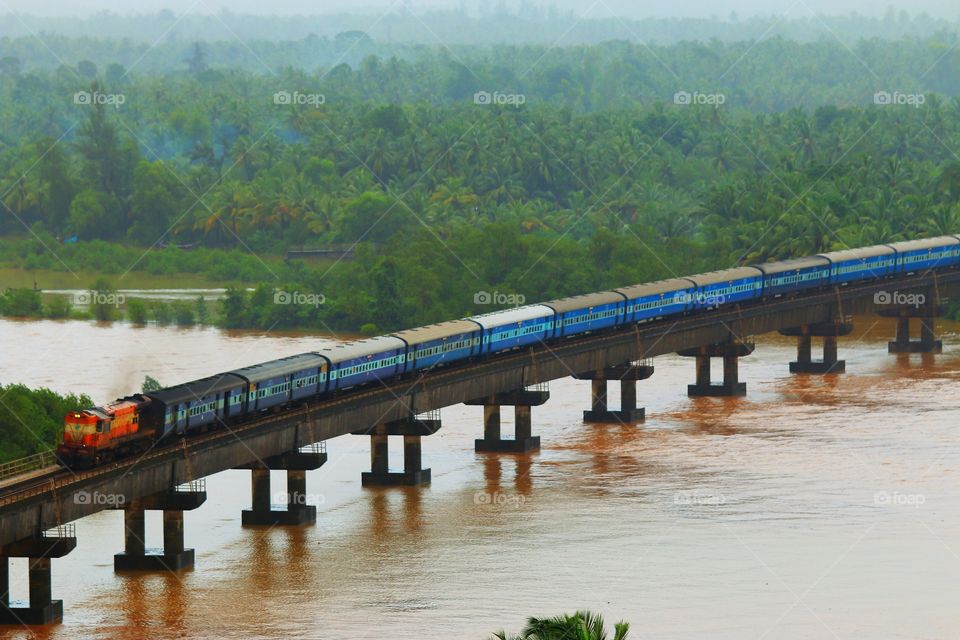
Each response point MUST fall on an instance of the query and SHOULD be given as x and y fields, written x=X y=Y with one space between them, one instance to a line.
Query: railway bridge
x=38 y=506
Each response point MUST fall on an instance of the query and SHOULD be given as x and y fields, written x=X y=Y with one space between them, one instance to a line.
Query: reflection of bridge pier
x=628 y=375
x=42 y=608
x=521 y=400
x=493 y=475
x=296 y=464
x=412 y=429
x=926 y=313
x=731 y=351
x=173 y=556
x=829 y=331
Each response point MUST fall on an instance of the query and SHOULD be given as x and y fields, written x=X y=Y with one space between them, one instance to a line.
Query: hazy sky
x=630 y=8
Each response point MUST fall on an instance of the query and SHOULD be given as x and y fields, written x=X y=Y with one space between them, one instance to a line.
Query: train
x=136 y=423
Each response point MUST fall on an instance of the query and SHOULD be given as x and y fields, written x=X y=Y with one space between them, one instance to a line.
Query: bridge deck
x=46 y=503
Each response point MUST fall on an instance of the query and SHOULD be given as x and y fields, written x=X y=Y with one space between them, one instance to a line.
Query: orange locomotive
x=92 y=436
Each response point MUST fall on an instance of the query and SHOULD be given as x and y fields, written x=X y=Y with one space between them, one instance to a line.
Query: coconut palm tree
x=583 y=625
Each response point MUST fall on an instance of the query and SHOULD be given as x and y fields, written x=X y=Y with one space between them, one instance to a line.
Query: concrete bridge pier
x=521 y=400
x=731 y=352
x=628 y=375
x=296 y=511
x=926 y=314
x=174 y=556
x=412 y=429
x=41 y=608
x=829 y=331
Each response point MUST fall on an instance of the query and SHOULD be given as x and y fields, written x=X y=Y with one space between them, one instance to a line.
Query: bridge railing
x=316 y=447
x=30 y=463
x=194 y=486
x=68 y=530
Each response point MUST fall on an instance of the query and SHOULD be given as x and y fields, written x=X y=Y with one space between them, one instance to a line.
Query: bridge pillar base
x=926 y=344
x=731 y=352
x=50 y=613
x=615 y=415
x=306 y=514
x=915 y=346
x=296 y=511
x=395 y=478
x=829 y=331
x=815 y=367
x=154 y=560
x=523 y=441
x=628 y=375
x=412 y=430
x=736 y=389
x=523 y=445
x=41 y=608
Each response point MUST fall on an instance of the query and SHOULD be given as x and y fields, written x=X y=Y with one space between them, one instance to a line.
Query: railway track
x=19 y=488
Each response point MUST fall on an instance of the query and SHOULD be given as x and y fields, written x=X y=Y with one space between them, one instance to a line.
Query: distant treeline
x=489 y=24
x=451 y=184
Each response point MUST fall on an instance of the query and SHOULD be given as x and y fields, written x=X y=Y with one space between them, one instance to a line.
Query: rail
x=30 y=463
x=64 y=477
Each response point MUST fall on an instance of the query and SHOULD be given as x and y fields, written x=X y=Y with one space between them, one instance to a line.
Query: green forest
x=519 y=170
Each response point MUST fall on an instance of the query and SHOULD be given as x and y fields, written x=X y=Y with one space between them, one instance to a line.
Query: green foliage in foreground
x=583 y=625
x=31 y=420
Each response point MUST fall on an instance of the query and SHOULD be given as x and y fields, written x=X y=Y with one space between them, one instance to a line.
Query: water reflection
x=704 y=521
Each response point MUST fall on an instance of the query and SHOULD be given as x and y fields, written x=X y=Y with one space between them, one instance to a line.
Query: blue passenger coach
x=646 y=302
x=729 y=286
x=441 y=343
x=929 y=253
x=788 y=276
x=586 y=313
x=513 y=328
x=364 y=361
x=867 y=263
x=199 y=403
x=274 y=383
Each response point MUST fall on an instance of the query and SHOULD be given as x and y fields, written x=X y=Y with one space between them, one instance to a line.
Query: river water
x=812 y=508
